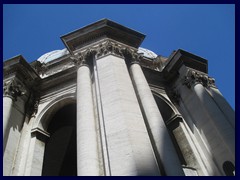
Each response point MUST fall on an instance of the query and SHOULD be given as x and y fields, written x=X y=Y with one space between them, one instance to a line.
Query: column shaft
x=7 y=108
x=87 y=150
x=219 y=121
x=223 y=105
x=157 y=127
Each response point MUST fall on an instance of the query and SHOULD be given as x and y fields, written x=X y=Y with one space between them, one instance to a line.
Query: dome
x=47 y=57
x=147 y=53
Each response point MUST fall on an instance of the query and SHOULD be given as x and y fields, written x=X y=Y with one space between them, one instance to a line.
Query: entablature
x=104 y=28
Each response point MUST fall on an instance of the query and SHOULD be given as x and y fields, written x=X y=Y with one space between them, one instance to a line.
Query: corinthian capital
x=13 y=89
x=77 y=59
x=192 y=77
x=83 y=58
x=132 y=55
x=107 y=48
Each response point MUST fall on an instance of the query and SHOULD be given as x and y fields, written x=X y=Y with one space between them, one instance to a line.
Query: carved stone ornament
x=34 y=108
x=107 y=48
x=104 y=49
x=13 y=89
x=132 y=55
x=81 y=58
x=32 y=105
x=194 y=77
x=77 y=59
x=175 y=96
x=40 y=68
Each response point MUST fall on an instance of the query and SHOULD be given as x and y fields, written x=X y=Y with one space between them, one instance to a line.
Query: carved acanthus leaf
x=194 y=77
x=107 y=48
x=77 y=59
x=13 y=89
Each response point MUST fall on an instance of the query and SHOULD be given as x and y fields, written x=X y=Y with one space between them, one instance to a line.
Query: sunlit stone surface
x=105 y=106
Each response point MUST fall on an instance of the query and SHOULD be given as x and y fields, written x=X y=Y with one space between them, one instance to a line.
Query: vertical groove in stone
x=103 y=138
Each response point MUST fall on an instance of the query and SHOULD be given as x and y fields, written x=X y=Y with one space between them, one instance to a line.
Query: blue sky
x=205 y=30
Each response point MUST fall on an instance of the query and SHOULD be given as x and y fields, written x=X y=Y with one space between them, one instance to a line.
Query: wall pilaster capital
x=13 y=89
x=77 y=59
x=132 y=55
x=83 y=58
x=107 y=48
x=193 y=77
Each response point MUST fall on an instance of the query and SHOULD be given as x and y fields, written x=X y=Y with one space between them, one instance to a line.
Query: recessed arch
x=40 y=130
x=60 y=148
x=175 y=125
x=166 y=108
x=51 y=108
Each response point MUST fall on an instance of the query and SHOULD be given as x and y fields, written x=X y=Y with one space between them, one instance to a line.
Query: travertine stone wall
x=121 y=129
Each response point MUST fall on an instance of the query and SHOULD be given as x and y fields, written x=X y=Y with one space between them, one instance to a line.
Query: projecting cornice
x=19 y=67
x=181 y=57
x=99 y=30
x=18 y=64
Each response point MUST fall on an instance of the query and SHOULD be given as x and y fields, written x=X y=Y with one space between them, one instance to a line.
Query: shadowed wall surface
x=60 y=152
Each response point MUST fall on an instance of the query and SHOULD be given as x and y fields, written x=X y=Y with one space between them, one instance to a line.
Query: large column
x=222 y=104
x=213 y=128
x=11 y=91
x=155 y=123
x=224 y=128
x=87 y=152
x=7 y=108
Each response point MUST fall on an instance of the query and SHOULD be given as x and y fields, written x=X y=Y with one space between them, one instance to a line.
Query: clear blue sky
x=204 y=30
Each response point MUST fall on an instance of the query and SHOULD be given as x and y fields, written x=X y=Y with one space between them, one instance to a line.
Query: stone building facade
x=104 y=106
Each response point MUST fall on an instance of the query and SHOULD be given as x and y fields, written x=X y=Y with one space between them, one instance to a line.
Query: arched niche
x=60 y=156
x=44 y=117
x=167 y=109
x=47 y=132
x=171 y=119
x=179 y=135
